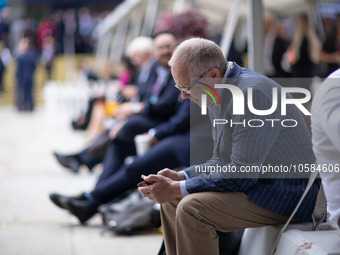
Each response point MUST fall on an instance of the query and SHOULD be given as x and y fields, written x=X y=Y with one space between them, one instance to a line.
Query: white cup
x=143 y=143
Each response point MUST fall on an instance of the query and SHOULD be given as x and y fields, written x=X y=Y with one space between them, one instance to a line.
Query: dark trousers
x=124 y=143
x=118 y=178
x=25 y=95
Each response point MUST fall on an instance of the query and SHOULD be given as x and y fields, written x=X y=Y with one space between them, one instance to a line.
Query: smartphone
x=144 y=183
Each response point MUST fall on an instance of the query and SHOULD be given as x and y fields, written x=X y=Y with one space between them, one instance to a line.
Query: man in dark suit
x=195 y=202
x=119 y=178
x=158 y=98
x=159 y=105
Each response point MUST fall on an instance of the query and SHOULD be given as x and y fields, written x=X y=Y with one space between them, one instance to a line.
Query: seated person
x=171 y=149
x=158 y=99
x=140 y=51
x=326 y=140
x=197 y=203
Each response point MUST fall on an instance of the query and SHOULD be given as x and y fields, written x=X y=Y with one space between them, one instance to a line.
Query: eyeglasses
x=187 y=90
x=166 y=46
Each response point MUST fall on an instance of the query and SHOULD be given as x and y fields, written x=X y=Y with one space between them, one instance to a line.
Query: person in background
x=47 y=53
x=140 y=55
x=46 y=29
x=269 y=27
x=70 y=31
x=5 y=23
x=60 y=30
x=5 y=59
x=304 y=48
x=140 y=51
x=26 y=63
x=86 y=26
x=279 y=48
x=127 y=72
x=303 y=57
x=326 y=140
x=157 y=100
x=330 y=52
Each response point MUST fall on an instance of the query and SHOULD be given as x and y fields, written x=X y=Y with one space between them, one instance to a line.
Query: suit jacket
x=178 y=123
x=165 y=106
x=241 y=145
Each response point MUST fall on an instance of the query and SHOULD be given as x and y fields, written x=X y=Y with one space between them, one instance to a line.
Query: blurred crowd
x=29 y=42
x=69 y=30
x=294 y=47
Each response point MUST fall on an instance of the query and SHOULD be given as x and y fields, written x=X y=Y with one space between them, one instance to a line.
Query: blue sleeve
x=165 y=105
x=250 y=146
x=178 y=123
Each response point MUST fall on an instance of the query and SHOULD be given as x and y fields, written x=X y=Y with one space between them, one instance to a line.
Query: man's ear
x=214 y=72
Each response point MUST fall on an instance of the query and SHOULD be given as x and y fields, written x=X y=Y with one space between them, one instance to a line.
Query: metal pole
x=229 y=27
x=150 y=17
x=135 y=24
x=255 y=36
x=118 y=44
x=102 y=51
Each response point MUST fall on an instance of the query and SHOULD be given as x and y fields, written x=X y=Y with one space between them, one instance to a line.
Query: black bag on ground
x=131 y=214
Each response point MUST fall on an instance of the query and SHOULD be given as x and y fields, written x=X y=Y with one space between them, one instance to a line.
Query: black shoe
x=60 y=200
x=80 y=124
x=71 y=161
x=83 y=210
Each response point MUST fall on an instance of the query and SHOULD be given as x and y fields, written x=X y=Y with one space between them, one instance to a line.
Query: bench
x=296 y=240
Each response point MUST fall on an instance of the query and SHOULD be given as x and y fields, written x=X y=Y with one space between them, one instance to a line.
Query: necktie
x=156 y=89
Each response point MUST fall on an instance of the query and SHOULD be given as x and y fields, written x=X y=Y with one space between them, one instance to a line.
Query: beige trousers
x=190 y=224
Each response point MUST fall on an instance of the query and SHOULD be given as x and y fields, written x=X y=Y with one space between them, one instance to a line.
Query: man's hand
x=130 y=92
x=124 y=111
x=128 y=109
x=162 y=190
x=173 y=175
x=153 y=141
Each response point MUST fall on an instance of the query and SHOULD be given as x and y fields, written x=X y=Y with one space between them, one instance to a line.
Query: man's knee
x=189 y=205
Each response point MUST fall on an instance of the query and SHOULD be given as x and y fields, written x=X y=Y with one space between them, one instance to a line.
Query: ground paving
x=29 y=222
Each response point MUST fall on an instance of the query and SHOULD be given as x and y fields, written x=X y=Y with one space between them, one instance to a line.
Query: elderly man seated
x=196 y=203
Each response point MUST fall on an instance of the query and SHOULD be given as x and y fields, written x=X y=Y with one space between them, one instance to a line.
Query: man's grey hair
x=198 y=55
x=142 y=45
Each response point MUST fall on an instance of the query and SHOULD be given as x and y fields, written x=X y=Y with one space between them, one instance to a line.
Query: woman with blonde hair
x=304 y=49
x=303 y=55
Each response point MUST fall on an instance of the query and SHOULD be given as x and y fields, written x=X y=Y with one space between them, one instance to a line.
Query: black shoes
x=71 y=161
x=60 y=200
x=82 y=209
x=81 y=123
x=79 y=206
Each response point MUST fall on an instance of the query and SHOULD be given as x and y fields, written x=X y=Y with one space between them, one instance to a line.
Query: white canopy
x=137 y=17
